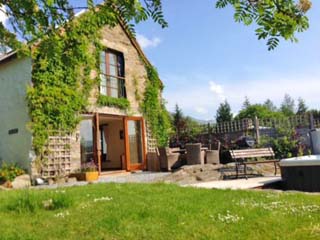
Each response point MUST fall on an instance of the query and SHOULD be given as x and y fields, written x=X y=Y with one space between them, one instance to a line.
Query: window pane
x=103 y=62
x=113 y=82
x=120 y=66
x=103 y=84
x=103 y=68
x=112 y=59
x=102 y=57
x=113 y=70
x=103 y=90
x=114 y=93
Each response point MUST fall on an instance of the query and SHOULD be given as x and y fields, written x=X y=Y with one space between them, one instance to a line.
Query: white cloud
x=146 y=42
x=201 y=110
x=217 y=89
x=199 y=96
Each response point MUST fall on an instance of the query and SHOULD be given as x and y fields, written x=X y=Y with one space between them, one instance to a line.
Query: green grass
x=157 y=211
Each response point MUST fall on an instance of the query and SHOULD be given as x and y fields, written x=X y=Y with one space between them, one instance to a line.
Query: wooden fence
x=231 y=131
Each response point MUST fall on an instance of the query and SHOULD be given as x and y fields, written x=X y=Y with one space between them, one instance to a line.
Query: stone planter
x=86 y=176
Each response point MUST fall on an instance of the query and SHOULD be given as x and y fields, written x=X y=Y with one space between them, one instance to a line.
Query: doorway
x=111 y=143
x=114 y=142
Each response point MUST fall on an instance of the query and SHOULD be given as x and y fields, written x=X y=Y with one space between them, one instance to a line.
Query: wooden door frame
x=142 y=166
x=96 y=143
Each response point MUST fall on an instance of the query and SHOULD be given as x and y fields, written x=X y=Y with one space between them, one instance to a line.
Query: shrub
x=286 y=144
x=8 y=172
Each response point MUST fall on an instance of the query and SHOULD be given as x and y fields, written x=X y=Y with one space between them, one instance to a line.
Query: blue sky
x=205 y=57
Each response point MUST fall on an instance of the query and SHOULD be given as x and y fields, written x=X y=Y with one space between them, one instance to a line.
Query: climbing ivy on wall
x=61 y=80
x=121 y=103
x=154 y=109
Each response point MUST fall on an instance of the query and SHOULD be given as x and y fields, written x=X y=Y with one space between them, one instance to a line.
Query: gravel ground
x=139 y=177
x=184 y=175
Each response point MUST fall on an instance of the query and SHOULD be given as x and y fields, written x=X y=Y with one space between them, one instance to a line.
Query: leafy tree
x=31 y=20
x=246 y=103
x=179 y=122
x=224 y=113
x=287 y=106
x=302 y=107
x=258 y=110
x=274 y=19
x=270 y=105
x=192 y=129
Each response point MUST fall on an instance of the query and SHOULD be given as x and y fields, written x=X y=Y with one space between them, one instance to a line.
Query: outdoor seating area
x=192 y=154
x=197 y=154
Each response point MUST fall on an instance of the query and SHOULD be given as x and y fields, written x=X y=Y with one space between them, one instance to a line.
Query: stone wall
x=135 y=80
x=116 y=39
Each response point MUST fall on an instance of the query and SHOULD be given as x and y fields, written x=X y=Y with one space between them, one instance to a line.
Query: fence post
x=256 y=128
x=311 y=119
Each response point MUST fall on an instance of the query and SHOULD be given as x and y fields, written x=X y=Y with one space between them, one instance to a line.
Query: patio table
x=183 y=150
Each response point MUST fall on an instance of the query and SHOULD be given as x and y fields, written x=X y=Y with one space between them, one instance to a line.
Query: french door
x=135 y=143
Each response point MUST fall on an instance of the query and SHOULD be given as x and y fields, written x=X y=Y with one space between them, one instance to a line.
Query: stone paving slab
x=237 y=183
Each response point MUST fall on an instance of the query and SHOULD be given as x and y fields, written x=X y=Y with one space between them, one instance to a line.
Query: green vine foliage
x=121 y=103
x=62 y=63
x=61 y=81
x=154 y=109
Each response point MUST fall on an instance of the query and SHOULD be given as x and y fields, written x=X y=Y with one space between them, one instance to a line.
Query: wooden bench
x=241 y=158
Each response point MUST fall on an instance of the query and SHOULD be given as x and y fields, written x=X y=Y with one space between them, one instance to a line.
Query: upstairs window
x=112 y=74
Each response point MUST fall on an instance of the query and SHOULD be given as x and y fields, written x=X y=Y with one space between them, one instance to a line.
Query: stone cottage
x=115 y=139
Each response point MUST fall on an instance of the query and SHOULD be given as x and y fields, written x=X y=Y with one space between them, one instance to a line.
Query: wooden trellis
x=151 y=141
x=57 y=157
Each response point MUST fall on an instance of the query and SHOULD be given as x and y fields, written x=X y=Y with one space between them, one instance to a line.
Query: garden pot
x=86 y=176
x=92 y=176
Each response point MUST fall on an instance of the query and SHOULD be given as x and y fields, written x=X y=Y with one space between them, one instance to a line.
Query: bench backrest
x=252 y=153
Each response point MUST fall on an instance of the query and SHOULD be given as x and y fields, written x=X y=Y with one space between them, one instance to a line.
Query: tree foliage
x=179 y=122
x=31 y=20
x=246 y=103
x=302 y=107
x=186 y=129
x=270 y=105
x=224 y=113
x=288 y=106
x=274 y=19
x=258 y=110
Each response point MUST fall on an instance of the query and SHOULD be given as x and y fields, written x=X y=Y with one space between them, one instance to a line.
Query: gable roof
x=8 y=56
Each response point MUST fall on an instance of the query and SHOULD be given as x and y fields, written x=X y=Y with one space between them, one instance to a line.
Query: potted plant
x=8 y=173
x=88 y=172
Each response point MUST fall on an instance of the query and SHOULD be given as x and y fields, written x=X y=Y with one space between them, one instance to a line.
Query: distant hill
x=200 y=121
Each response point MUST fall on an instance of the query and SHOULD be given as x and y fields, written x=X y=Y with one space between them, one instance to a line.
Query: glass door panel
x=86 y=140
x=135 y=143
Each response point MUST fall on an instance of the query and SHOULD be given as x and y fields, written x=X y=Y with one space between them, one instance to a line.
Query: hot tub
x=301 y=173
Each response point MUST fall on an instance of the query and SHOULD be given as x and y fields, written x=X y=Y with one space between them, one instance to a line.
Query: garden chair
x=213 y=156
x=168 y=159
x=194 y=154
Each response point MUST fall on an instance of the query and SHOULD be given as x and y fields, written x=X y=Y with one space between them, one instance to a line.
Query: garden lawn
x=157 y=211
